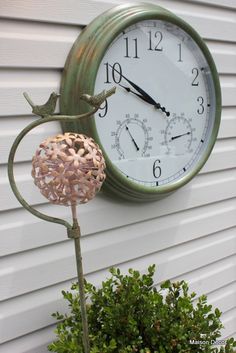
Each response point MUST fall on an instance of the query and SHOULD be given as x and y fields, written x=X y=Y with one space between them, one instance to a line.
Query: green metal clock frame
x=80 y=74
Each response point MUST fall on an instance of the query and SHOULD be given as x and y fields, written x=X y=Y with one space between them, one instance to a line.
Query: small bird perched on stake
x=97 y=100
x=46 y=109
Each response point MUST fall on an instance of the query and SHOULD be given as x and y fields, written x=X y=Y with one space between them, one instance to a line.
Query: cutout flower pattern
x=68 y=169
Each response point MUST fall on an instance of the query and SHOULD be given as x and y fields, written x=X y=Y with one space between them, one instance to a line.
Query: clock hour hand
x=147 y=100
x=137 y=94
x=143 y=95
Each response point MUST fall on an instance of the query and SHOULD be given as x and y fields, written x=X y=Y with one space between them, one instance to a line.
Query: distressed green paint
x=12 y=157
x=80 y=74
x=73 y=231
x=96 y=102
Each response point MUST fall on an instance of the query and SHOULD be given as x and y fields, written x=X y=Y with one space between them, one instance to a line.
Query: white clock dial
x=158 y=124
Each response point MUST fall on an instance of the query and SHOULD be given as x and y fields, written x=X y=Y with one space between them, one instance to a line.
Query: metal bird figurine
x=97 y=100
x=45 y=109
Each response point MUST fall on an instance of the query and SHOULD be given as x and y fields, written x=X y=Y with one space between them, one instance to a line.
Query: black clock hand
x=137 y=148
x=177 y=136
x=157 y=105
x=144 y=94
x=137 y=94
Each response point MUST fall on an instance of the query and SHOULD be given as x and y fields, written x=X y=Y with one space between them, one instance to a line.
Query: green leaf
x=128 y=315
x=166 y=284
x=217 y=313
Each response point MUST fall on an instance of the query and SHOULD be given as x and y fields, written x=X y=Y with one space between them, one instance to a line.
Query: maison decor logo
x=208 y=342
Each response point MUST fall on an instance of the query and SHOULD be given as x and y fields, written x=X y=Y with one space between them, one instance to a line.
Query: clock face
x=157 y=126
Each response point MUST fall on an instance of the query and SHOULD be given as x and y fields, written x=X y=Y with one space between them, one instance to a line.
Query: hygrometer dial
x=179 y=136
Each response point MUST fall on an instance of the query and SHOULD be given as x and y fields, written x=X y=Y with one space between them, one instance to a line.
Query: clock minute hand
x=145 y=95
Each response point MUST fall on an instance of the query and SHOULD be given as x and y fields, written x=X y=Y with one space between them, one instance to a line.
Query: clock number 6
x=116 y=73
x=156 y=169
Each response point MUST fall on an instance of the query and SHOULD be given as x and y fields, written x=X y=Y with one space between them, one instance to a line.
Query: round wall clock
x=160 y=126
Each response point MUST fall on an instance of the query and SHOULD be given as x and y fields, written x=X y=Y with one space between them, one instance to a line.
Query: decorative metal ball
x=68 y=169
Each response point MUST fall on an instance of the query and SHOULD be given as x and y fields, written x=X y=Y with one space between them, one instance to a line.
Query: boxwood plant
x=127 y=314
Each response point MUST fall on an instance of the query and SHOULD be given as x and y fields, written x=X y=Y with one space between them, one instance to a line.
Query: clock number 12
x=157 y=46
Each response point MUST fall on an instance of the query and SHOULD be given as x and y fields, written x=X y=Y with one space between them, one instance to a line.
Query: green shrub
x=128 y=315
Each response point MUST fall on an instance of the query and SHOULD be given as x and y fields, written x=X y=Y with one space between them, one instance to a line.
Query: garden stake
x=73 y=231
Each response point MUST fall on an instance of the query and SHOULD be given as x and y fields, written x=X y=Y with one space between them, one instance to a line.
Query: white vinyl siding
x=189 y=235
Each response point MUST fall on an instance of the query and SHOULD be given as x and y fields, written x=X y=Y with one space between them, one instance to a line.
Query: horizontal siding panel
x=41 y=84
x=23 y=273
x=39 y=305
x=38 y=84
x=36 y=308
x=30 y=142
x=55 y=11
x=36 y=233
x=226 y=4
x=31 y=53
x=222 y=157
x=38 y=341
x=229 y=321
x=219 y=186
x=32 y=45
x=232 y=335
x=210 y=278
x=205 y=19
x=35 y=342
x=18 y=28
x=192 y=255
x=191 y=12
x=24 y=45
x=224 y=55
x=228 y=86
x=33 y=231
x=11 y=127
x=191 y=234
x=224 y=298
x=212 y=27
x=228 y=123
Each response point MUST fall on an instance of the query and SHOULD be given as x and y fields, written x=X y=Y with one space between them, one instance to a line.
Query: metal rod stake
x=77 y=236
x=73 y=231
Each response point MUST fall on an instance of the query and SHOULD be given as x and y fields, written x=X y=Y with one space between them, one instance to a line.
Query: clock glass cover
x=157 y=126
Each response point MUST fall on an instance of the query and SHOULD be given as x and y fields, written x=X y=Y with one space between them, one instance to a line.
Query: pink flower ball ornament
x=68 y=169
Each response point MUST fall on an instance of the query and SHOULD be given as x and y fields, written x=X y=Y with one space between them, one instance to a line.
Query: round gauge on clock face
x=157 y=131
x=156 y=141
